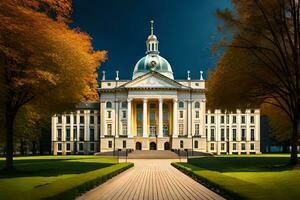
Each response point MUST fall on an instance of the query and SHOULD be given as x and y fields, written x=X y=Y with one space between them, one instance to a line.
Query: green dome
x=152 y=62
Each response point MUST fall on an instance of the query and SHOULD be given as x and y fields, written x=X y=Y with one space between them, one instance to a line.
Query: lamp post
x=114 y=145
x=192 y=145
x=75 y=145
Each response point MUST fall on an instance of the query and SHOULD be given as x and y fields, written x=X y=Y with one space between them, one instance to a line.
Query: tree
x=260 y=63
x=43 y=62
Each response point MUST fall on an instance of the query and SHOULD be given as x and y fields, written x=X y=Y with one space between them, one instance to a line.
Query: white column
x=117 y=118
x=129 y=134
x=160 y=118
x=145 y=120
x=175 y=113
x=189 y=119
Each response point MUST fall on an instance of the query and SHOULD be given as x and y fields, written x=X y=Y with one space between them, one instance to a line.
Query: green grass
x=49 y=176
x=247 y=176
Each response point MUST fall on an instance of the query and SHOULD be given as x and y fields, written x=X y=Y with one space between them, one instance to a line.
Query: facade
x=153 y=111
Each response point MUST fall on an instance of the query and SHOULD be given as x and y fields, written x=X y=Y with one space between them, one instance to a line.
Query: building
x=153 y=111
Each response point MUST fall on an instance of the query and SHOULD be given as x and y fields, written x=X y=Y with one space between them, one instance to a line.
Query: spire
x=152 y=42
x=151 y=25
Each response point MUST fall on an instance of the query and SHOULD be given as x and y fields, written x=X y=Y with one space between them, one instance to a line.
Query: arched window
x=152 y=47
x=181 y=104
x=108 y=104
x=197 y=105
x=181 y=144
x=196 y=144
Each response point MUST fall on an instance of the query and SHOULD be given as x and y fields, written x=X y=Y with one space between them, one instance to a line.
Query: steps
x=155 y=154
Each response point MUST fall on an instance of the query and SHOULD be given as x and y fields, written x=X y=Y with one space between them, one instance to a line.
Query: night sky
x=185 y=30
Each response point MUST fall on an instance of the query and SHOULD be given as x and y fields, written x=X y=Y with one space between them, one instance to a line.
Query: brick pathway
x=150 y=179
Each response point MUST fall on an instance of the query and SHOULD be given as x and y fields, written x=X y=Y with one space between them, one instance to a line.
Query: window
x=197 y=129
x=124 y=114
x=243 y=134
x=181 y=104
x=243 y=146
x=197 y=114
x=212 y=119
x=206 y=132
x=124 y=144
x=180 y=129
x=92 y=120
x=108 y=129
x=75 y=134
x=206 y=119
x=181 y=114
x=109 y=114
x=108 y=104
x=59 y=147
x=234 y=146
x=234 y=134
x=222 y=146
x=251 y=146
x=109 y=144
x=75 y=119
x=196 y=144
x=181 y=144
x=98 y=119
x=92 y=134
x=222 y=134
x=124 y=129
x=152 y=105
x=68 y=146
x=59 y=134
x=92 y=111
x=68 y=134
x=81 y=112
x=234 y=119
x=222 y=120
x=212 y=134
x=59 y=119
x=81 y=134
x=80 y=146
x=92 y=147
x=227 y=119
x=243 y=120
x=212 y=146
x=68 y=119
x=197 y=105
x=124 y=104
x=252 y=119
x=252 y=135
x=81 y=119
x=152 y=116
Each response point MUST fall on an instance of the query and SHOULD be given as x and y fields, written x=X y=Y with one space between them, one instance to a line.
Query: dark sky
x=185 y=29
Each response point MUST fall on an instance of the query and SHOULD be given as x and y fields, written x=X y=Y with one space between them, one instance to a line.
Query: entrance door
x=138 y=146
x=167 y=146
x=152 y=146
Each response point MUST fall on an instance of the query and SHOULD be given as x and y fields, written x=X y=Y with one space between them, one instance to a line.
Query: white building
x=154 y=112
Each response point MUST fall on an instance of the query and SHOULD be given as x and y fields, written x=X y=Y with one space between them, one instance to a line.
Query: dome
x=152 y=62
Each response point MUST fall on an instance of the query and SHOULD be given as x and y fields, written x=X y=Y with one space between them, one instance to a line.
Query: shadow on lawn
x=51 y=168
x=242 y=164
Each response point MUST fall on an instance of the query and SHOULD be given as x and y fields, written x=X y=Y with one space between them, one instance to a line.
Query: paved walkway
x=150 y=179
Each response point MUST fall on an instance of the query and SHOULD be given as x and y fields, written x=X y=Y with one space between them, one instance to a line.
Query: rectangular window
x=59 y=119
x=74 y=119
x=181 y=144
x=234 y=146
x=197 y=114
x=68 y=119
x=197 y=129
x=68 y=134
x=75 y=134
x=222 y=120
x=212 y=134
x=59 y=134
x=212 y=119
x=222 y=134
x=68 y=146
x=252 y=135
x=243 y=134
x=227 y=119
x=80 y=146
x=234 y=134
x=124 y=129
x=222 y=146
x=109 y=144
x=152 y=116
x=212 y=146
x=92 y=147
x=81 y=134
x=109 y=129
x=181 y=114
x=59 y=147
x=92 y=134
x=252 y=146
x=234 y=119
x=98 y=119
x=206 y=130
x=180 y=129
x=92 y=111
x=124 y=144
x=243 y=120
x=124 y=114
x=252 y=119
x=206 y=119
x=109 y=114
x=92 y=120
x=243 y=146
x=81 y=119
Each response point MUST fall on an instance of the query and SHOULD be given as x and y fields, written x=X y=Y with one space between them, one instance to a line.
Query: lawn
x=247 y=176
x=46 y=176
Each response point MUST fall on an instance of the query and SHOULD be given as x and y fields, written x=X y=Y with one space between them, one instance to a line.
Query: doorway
x=138 y=146
x=152 y=146
x=167 y=146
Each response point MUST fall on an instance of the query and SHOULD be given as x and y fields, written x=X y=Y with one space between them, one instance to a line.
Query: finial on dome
x=188 y=75
x=117 y=75
x=201 y=75
x=151 y=26
x=103 y=75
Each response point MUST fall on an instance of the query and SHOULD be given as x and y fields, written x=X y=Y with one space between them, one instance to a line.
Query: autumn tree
x=43 y=62
x=260 y=64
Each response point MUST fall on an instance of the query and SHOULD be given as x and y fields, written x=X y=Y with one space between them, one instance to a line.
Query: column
x=117 y=118
x=160 y=118
x=175 y=113
x=129 y=134
x=189 y=119
x=145 y=120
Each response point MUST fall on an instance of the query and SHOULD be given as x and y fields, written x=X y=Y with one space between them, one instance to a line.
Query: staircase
x=155 y=154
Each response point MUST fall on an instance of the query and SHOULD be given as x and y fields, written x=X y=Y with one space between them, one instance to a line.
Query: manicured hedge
x=73 y=187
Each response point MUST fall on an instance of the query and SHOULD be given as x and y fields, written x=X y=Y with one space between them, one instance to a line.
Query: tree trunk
x=9 y=121
x=294 y=143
